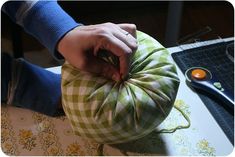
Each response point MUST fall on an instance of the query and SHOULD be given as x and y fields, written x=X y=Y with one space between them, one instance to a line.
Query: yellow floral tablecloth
x=24 y=132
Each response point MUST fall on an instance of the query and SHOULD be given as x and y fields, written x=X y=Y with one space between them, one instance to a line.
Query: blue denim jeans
x=34 y=88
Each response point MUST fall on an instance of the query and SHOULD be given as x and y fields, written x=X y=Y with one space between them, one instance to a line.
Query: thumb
x=102 y=68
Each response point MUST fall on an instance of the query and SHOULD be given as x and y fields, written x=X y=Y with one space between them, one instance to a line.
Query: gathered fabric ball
x=115 y=112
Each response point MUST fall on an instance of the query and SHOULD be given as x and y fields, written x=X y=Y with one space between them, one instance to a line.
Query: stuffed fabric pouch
x=115 y=112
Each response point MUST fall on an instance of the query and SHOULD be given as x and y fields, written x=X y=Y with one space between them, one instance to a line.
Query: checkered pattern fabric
x=114 y=112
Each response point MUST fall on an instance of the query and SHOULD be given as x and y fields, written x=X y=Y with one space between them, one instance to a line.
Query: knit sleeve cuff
x=48 y=22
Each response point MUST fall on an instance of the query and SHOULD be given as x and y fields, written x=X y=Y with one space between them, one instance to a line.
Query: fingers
x=120 y=43
x=127 y=34
x=100 y=67
x=126 y=37
x=80 y=45
x=130 y=28
x=120 y=49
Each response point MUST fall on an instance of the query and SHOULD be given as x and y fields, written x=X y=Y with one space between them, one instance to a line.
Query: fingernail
x=123 y=77
x=115 y=77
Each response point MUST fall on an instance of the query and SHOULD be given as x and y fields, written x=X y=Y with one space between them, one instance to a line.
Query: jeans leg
x=6 y=65
x=6 y=62
x=35 y=88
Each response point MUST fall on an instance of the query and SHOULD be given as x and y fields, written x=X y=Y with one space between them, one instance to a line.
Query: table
x=204 y=134
x=201 y=118
x=25 y=132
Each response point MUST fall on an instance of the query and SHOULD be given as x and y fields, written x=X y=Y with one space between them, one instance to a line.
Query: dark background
x=150 y=17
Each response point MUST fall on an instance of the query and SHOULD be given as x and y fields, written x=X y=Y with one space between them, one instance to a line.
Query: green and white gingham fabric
x=115 y=112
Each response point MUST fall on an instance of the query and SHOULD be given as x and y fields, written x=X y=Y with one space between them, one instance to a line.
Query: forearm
x=45 y=20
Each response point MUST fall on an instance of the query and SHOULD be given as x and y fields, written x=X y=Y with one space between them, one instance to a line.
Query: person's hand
x=80 y=46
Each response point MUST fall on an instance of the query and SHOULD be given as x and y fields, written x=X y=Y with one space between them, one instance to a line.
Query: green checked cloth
x=114 y=112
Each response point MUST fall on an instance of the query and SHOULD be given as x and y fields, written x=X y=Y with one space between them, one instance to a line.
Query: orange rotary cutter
x=202 y=78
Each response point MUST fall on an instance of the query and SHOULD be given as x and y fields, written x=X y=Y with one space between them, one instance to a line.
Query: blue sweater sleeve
x=45 y=20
